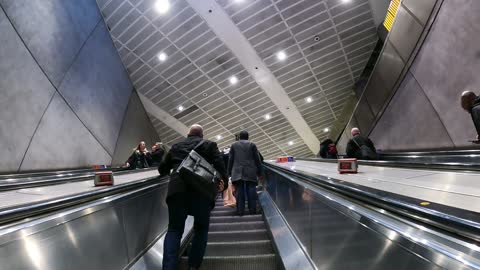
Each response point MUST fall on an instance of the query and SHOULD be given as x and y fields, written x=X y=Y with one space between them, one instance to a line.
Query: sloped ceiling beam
x=164 y=116
x=227 y=31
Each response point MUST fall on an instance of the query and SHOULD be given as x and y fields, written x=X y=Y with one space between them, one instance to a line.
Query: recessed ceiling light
x=290 y=143
x=162 y=6
x=219 y=137
x=346 y=1
x=233 y=80
x=239 y=1
x=162 y=57
x=180 y=108
x=268 y=116
x=326 y=130
x=309 y=99
x=281 y=55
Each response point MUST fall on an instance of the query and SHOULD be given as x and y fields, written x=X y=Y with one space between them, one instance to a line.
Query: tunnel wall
x=411 y=101
x=425 y=112
x=64 y=91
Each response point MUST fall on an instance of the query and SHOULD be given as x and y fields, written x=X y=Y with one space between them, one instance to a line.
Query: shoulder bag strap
x=353 y=139
x=198 y=145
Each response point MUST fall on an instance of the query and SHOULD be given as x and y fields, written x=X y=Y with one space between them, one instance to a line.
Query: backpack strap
x=198 y=145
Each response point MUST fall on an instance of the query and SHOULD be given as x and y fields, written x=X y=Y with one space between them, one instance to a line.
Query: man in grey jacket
x=245 y=167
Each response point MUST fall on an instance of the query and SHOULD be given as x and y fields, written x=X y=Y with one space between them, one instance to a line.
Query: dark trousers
x=179 y=206
x=246 y=189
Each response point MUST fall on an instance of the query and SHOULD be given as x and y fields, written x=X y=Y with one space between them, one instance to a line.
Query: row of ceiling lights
x=162 y=7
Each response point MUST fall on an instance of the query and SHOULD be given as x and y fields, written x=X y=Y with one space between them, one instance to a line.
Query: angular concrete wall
x=425 y=112
x=64 y=91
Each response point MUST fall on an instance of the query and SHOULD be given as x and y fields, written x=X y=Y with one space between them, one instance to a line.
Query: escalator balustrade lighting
x=392 y=11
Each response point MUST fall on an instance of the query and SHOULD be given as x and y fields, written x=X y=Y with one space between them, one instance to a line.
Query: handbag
x=366 y=152
x=199 y=174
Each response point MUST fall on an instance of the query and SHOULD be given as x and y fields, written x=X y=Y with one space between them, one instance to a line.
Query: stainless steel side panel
x=108 y=234
x=341 y=235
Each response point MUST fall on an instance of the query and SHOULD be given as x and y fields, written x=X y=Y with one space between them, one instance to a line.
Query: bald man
x=360 y=147
x=182 y=201
x=471 y=103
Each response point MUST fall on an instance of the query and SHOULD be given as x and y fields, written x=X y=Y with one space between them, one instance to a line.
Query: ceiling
x=327 y=44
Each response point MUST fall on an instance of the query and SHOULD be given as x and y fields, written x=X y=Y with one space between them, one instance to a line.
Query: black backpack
x=366 y=152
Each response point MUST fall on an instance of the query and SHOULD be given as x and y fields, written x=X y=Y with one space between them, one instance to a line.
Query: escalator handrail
x=19 y=212
x=454 y=223
x=59 y=178
x=404 y=164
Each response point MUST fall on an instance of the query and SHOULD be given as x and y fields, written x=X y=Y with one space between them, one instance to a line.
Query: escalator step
x=231 y=236
x=252 y=262
x=233 y=219
x=222 y=212
x=239 y=248
x=239 y=226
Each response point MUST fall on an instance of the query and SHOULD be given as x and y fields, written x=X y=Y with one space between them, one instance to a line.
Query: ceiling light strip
x=228 y=32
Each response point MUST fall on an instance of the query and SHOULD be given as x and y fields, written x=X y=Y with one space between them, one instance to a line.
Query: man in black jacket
x=183 y=201
x=155 y=157
x=471 y=104
x=245 y=167
x=360 y=147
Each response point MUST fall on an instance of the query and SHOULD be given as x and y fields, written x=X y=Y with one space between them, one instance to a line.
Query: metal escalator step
x=229 y=212
x=238 y=226
x=231 y=236
x=239 y=248
x=252 y=262
x=233 y=219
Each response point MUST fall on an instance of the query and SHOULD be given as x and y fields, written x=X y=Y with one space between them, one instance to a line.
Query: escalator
x=302 y=225
x=236 y=242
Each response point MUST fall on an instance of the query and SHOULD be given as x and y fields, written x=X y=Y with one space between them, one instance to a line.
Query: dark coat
x=353 y=150
x=179 y=152
x=155 y=157
x=475 y=113
x=138 y=160
x=244 y=162
x=324 y=148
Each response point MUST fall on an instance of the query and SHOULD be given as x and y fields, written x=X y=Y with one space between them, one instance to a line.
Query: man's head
x=467 y=100
x=355 y=131
x=156 y=146
x=243 y=135
x=196 y=130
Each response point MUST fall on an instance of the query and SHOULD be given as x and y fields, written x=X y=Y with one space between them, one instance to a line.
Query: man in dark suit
x=183 y=201
x=155 y=157
x=245 y=167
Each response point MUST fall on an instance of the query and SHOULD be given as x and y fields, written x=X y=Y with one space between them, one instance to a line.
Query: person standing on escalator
x=471 y=103
x=183 y=200
x=361 y=147
x=245 y=168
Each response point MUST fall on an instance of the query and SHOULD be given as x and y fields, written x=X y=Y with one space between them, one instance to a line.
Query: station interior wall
x=66 y=99
x=422 y=112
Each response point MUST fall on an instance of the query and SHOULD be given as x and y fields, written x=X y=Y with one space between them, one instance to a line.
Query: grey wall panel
x=420 y=9
x=61 y=141
x=410 y=122
x=405 y=33
x=98 y=89
x=379 y=10
x=448 y=63
x=136 y=127
x=53 y=30
x=364 y=115
x=386 y=74
x=22 y=101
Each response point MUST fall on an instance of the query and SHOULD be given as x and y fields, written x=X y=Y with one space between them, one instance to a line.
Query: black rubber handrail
x=454 y=220
x=19 y=212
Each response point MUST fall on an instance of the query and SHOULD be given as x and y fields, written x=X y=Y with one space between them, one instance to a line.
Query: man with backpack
x=360 y=147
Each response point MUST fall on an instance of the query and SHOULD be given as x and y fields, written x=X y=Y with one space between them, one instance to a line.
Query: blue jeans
x=179 y=206
x=246 y=189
